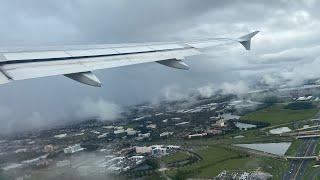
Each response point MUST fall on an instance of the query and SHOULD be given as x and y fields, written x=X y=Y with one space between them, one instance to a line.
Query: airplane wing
x=78 y=62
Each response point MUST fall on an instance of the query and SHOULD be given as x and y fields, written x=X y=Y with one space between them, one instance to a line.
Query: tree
x=270 y=100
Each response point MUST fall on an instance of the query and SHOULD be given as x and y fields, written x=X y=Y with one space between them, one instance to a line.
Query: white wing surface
x=77 y=62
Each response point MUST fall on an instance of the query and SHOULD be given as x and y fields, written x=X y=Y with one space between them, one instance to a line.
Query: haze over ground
x=286 y=50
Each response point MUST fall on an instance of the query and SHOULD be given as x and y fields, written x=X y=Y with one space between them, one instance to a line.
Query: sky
x=285 y=52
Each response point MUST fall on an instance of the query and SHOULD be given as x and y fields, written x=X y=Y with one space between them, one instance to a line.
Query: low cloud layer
x=100 y=109
x=13 y=120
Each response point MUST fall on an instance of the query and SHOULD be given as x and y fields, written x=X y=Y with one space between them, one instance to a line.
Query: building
x=182 y=123
x=151 y=126
x=119 y=131
x=131 y=132
x=103 y=135
x=60 y=136
x=221 y=123
x=119 y=127
x=79 y=134
x=197 y=135
x=214 y=131
x=159 y=151
x=95 y=132
x=48 y=148
x=143 y=150
x=173 y=147
x=73 y=149
x=146 y=135
x=303 y=98
x=166 y=134
x=137 y=159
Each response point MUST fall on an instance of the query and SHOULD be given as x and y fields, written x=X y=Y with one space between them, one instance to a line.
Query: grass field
x=277 y=114
x=212 y=156
x=179 y=156
x=232 y=164
x=293 y=147
x=217 y=159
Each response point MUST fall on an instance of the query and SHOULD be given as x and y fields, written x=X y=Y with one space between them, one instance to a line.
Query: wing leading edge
x=77 y=62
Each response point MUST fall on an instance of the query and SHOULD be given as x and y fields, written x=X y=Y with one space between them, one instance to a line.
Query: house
x=143 y=150
x=221 y=123
x=73 y=149
x=151 y=126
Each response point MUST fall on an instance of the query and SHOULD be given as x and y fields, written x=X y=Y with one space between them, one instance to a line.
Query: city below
x=265 y=134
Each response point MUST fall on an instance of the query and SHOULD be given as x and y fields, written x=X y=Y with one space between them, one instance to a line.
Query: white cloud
x=235 y=88
x=207 y=91
x=101 y=109
x=174 y=93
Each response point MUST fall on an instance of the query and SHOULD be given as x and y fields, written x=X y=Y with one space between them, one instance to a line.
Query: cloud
x=13 y=120
x=207 y=91
x=13 y=123
x=285 y=52
x=234 y=88
x=101 y=109
x=178 y=93
x=5 y=112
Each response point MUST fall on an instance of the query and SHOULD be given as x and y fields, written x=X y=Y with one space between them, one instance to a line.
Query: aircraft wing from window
x=78 y=62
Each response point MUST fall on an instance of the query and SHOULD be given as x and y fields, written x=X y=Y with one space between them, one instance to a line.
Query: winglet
x=246 y=39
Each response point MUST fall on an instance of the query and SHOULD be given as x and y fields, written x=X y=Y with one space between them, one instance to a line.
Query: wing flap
x=91 y=52
x=35 y=55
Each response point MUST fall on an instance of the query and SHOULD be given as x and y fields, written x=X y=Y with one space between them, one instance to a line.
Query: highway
x=297 y=168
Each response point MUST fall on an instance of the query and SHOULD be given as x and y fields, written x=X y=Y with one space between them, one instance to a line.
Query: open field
x=216 y=159
x=293 y=147
x=277 y=114
x=179 y=156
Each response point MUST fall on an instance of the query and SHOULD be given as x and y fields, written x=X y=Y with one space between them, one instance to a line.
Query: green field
x=232 y=164
x=211 y=157
x=277 y=114
x=179 y=156
x=293 y=147
x=216 y=159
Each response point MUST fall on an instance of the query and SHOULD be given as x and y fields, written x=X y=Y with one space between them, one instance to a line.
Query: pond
x=244 y=126
x=280 y=130
x=272 y=148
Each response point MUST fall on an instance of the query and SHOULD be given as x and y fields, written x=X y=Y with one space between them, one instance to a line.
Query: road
x=297 y=168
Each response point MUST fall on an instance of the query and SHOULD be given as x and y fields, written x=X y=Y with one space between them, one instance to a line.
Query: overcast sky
x=287 y=49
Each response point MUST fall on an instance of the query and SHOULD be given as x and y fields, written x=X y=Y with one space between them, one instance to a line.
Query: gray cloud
x=100 y=109
x=286 y=50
